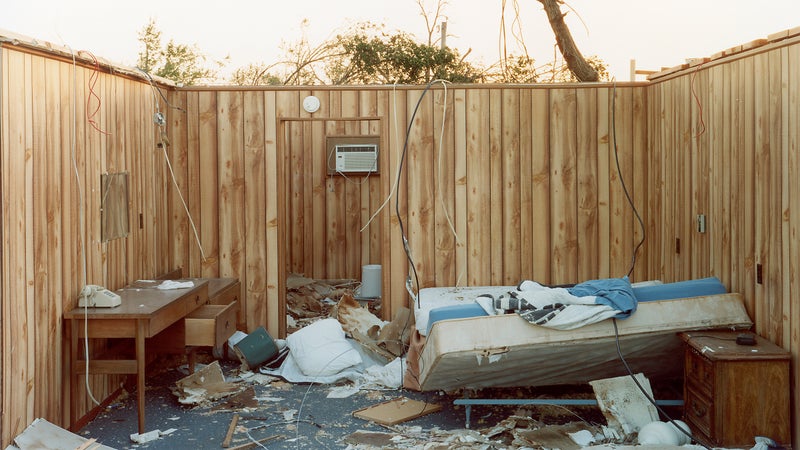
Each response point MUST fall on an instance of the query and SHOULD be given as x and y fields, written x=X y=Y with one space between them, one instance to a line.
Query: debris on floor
x=353 y=363
x=383 y=341
x=205 y=385
x=309 y=299
x=150 y=436
x=626 y=408
x=43 y=435
x=397 y=410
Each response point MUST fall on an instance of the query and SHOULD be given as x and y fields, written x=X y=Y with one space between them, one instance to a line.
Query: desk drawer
x=227 y=293
x=211 y=325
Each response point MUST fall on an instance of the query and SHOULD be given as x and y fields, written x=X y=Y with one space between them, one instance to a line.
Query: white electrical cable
x=441 y=191
x=159 y=120
x=396 y=178
x=183 y=202
x=82 y=223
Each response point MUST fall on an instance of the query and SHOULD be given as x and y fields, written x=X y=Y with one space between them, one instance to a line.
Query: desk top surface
x=141 y=299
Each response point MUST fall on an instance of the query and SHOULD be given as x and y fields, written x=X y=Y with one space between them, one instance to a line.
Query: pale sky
x=656 y=33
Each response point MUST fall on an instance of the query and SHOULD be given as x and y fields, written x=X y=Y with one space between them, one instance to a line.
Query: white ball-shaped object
x=683 y=438
x=659 y=433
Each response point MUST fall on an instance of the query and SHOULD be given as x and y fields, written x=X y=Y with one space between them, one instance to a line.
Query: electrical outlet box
x=701 y=223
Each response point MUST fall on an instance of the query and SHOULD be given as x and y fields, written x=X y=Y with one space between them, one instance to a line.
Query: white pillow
x=320 y=349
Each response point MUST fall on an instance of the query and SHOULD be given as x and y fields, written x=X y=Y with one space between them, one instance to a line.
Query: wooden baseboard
x=130 y=382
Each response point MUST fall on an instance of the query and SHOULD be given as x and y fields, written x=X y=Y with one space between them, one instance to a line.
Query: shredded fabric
x=565 y=308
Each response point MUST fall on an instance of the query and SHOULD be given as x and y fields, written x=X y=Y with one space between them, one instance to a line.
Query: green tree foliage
x=180 y=63
x=399 y=59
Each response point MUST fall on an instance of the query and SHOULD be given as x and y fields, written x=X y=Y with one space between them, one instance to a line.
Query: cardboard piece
x=396 y=411
x=554 y=436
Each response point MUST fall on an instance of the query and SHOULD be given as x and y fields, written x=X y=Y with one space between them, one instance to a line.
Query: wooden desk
x=145 y=311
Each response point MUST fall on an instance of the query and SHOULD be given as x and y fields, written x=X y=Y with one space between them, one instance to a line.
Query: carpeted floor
x=303 y=416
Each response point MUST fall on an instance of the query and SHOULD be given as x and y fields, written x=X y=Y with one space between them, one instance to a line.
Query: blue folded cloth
x=614 y=292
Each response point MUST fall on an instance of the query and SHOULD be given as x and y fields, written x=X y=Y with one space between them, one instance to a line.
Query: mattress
x=505 y=350
x=438 y=303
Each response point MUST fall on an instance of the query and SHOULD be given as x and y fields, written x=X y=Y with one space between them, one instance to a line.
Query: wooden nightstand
x=733 y=392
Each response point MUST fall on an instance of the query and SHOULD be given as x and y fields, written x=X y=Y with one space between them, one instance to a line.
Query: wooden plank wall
x=724 y=137
x=525 y=175
x=46 y=148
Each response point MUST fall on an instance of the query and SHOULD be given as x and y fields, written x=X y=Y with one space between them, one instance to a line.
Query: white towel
x=171 y=284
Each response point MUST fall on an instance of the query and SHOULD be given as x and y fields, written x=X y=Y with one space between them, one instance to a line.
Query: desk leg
x=140 y=366
x=73 y=372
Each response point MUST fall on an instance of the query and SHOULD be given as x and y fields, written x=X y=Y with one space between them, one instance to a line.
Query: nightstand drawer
x=700 y=372
x=211 y=325
x=699 y=412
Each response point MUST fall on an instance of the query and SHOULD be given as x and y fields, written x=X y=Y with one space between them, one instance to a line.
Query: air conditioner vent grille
x=356 y=158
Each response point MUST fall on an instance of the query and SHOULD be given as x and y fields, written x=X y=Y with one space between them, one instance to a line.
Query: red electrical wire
x=92 y=82
x=699 y=105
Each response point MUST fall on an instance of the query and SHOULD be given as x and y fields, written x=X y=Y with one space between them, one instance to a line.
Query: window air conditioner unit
x=356 y=158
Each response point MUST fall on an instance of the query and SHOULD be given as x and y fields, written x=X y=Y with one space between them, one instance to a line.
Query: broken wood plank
x=258 y=442
x=229 y=435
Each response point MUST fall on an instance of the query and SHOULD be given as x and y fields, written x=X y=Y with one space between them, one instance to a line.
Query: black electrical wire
x=650 y=398
x=397 y=197
x=622 y=179
x=630 y=271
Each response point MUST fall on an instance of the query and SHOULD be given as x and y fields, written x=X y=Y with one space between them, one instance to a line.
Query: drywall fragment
x=145 y=437
x=41 y=434
x=204 y=385
x=622 y=402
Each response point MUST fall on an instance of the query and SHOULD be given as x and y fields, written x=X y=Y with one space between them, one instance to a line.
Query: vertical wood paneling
x=774 y=320
x=586 y=175
x=495 y=185
x=510 y=179
x=604 y=167
x=540 y=176
x=741 y=171
x=275 y=310
x=208 y=180
x=640 y=179
x=51 y=161
x=621 y=172
x=398 y=269
x=792 y=64
x=460 y=178
x=232 y=232
x=527 y=240
x=252 y=310
x=563 y=193
x=478 y=185
x=763 y=211
x=319 y=205
x=14 y=244
x=420 y=193
x=444 y=189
